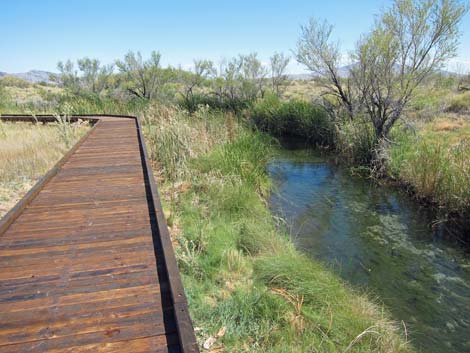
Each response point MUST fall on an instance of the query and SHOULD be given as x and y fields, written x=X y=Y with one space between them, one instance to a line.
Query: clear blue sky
x=37 y=34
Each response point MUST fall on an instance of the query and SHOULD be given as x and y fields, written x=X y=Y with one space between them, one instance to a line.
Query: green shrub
x=355 y=141
x=4 y=99
x=221 y=103
x=294 y=118
x=255 y=313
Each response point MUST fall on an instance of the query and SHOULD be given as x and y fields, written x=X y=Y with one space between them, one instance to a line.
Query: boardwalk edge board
x=187 y=339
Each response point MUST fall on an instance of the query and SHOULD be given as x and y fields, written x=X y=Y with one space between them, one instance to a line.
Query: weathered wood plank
x=83 y=265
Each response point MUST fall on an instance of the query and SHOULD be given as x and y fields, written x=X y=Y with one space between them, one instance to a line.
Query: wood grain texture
x=86 y=263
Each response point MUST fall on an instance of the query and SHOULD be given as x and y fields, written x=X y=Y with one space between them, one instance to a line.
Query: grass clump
x=247 y=286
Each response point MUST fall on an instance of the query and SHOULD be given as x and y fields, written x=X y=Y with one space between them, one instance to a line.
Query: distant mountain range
x=33 y=76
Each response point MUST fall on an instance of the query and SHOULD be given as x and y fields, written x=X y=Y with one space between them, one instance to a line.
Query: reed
x=434 y=163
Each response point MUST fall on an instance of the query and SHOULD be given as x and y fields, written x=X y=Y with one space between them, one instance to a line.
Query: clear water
x=377 y=238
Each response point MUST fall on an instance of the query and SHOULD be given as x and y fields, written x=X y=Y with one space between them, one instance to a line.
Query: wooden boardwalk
x=86 y=262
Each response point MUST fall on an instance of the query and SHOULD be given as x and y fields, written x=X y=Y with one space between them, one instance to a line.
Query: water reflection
x=376 y=237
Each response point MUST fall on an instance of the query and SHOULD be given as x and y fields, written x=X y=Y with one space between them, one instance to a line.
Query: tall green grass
x=293 y=118
x=433 y=168
x=356 y=141
x=214 y=102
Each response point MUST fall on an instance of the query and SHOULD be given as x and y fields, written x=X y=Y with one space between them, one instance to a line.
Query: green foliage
x=409 y=41
x=197 y=100
x=3 y=98
x=254 y=315
x=169 y=137
x=65 y=129
x=6 y=103
x=278 y=68
x=355 y=141
x=321 y=293
x=143 y=78
x=244 y=158
x=69 y=76
x=89 y=103
x=434 y=168
x=293 y=118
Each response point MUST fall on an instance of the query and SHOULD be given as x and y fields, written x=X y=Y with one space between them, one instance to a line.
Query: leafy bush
x=4 y=99
x=355 y=141
x=294 y=118
x=221 y=103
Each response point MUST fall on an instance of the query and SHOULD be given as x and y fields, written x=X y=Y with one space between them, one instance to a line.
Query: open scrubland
x=248 y=287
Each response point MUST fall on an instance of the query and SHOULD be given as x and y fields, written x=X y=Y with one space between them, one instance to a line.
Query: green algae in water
x=375 y=237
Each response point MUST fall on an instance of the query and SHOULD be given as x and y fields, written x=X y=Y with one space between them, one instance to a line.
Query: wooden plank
x=84 y=265
x=183 y=320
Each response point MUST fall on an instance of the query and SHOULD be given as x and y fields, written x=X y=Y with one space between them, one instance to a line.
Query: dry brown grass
x=27 y=152
x=174 y=137
x=448 y=125
x=302 y=89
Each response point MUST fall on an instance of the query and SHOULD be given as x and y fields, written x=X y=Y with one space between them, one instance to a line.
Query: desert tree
x=253 y=76
x=409 y=42
x=317 y=50
x=143 y=78
x=202 y=70
x=228 y=81
x=278 y=67
x=93 y=75
x=239 y=80
x=68 y=76
x=89 y=69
